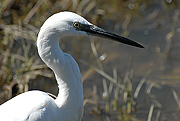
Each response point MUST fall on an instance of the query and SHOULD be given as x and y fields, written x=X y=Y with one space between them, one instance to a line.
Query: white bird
x=68 y=106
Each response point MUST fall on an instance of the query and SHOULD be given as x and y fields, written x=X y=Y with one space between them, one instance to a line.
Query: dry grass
x=124 y=95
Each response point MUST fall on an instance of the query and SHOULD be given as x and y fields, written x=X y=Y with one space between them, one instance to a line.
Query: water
x=149 y=27
x=164 y=72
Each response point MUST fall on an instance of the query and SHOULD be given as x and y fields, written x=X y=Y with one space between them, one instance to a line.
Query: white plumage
x=68 y=106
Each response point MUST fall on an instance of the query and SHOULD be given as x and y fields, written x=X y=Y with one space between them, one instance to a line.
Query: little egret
x=68 y=106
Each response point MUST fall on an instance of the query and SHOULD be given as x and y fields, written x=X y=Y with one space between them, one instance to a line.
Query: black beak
x=96 y=31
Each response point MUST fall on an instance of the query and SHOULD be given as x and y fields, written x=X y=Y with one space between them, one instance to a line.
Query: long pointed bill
x=96 y=31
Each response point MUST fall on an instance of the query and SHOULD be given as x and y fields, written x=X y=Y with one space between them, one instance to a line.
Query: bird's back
x=29 y=106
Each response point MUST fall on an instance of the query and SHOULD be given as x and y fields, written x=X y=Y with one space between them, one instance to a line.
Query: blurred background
x=121 y=83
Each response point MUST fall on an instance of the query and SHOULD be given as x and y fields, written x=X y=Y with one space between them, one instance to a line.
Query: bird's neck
x=67 y=74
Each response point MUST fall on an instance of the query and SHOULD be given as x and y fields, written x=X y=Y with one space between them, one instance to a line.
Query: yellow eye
x=76 y=25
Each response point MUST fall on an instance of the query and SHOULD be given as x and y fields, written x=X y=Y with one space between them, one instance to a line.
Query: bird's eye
x=76 y=25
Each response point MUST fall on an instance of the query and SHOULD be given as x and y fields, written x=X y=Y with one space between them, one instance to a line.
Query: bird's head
x=71 y=24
